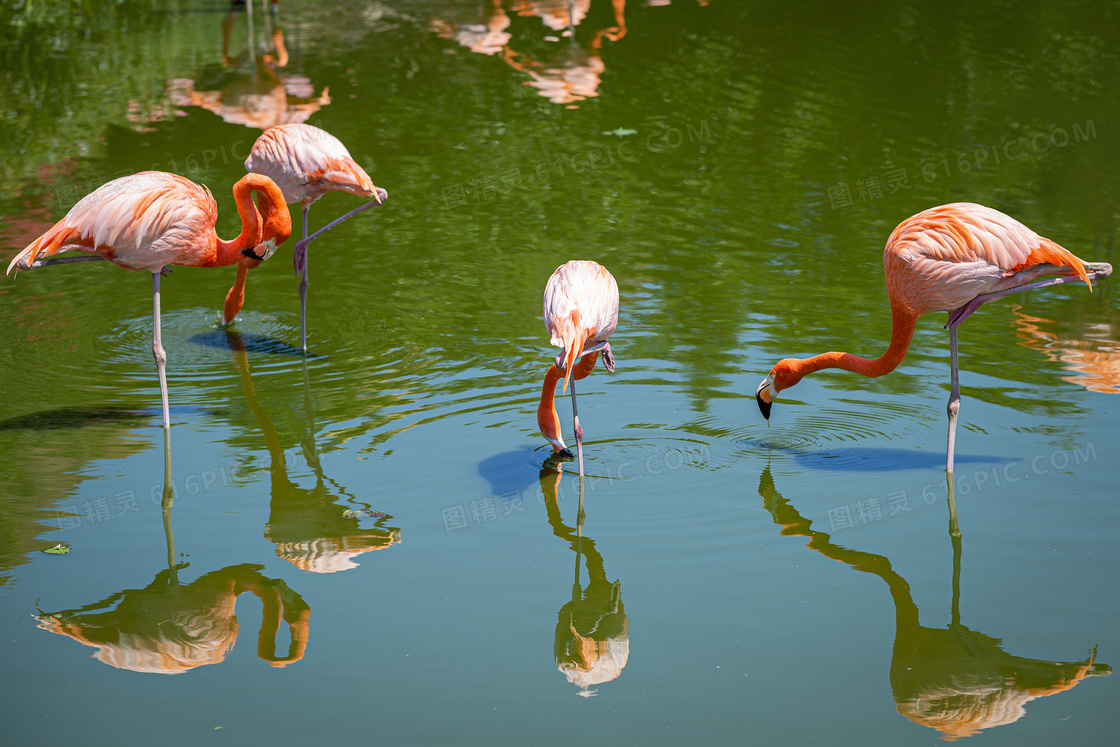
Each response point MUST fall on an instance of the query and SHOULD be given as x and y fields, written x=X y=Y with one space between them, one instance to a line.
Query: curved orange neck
x=904 y=322
x=277 y=221
x=547 y=419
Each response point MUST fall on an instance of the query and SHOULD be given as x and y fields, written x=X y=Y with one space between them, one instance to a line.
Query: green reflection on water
x=736 y=165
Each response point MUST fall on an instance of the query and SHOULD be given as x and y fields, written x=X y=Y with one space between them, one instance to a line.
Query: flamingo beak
x=261 y=251
x=764 y=397
x=565 y=452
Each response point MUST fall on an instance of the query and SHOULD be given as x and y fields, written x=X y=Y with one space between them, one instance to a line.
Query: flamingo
x=952 y=258
x=153 y=220
x=580 y=313
x=306 y=163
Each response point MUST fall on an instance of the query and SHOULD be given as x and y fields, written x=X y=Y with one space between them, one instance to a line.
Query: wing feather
x=942 y=258
x=580 y=307
x=143 y=222
x=307 y=162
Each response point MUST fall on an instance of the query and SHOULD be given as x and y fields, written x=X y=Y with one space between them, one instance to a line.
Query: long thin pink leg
x=158 y=351
x=576 y=426
x=303 y=286
x=302 y=244
x=1095 y=270
x=63 y=261
x=954 y=402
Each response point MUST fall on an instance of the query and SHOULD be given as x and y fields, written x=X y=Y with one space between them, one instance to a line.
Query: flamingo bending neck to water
x=306 y=162
x=952 y=258
x=580 y=313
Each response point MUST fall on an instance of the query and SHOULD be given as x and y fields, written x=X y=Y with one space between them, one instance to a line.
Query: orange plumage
x=951 y=258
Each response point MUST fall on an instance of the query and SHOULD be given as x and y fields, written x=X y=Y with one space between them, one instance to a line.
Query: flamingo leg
x=954 y=402
x=608 y=357
x=302 y=244
x=158 y=351
x=301 y=262
x=64 y=260
x=1096 y=271
x=576 y=427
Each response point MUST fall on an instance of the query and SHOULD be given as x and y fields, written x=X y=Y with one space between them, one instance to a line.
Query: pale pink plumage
x=580 y=308
x=944 y=257
x=307 y=162
x=146 y=221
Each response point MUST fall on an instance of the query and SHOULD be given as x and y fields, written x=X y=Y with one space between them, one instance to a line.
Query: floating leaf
x=350 y=514
x=60 y=549
x=621 y=132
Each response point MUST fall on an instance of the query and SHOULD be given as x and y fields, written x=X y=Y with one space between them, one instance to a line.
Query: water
x=401 y=564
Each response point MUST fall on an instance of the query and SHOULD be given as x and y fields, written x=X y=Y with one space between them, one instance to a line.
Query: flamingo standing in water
x=580 y=313
x=154 y=220
x=951 y=258
x=306 y=163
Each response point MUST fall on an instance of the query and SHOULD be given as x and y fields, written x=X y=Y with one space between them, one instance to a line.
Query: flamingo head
x=784 y=375
x=256 y=254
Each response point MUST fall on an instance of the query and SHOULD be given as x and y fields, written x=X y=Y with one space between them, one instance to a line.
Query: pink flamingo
x=580 y=313
x=154 y=220
x=951 y=258
x=306 y=163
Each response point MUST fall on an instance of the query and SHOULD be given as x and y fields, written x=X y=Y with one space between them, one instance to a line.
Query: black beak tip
x=763 y=406
x=566 y=453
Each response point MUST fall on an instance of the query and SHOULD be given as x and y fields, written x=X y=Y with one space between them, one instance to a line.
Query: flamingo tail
x=1047 y=252
x=59 y=238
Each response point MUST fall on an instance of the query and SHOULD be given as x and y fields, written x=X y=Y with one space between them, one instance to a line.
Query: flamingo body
x=307 y=163
x=154 y=220
x=580 y=307
x=944 y=257
x=145 y=221
x=580 y=313
x=951 y=258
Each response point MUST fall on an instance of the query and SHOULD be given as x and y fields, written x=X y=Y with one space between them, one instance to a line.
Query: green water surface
x=406 y=567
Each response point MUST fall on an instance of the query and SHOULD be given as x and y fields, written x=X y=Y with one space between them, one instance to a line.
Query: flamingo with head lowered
x=306 y=163
x=155 y=220
x=580 y=313
x=952 y=258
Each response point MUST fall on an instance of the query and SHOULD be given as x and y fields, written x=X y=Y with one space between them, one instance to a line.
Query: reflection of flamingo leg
x=168 y=500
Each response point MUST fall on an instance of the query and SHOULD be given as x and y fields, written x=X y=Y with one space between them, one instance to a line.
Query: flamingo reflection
x=1094 y=360
x=252 y=88
x=170 y=627
x=592 y=630
x=311 y=527
x=563 y=70
x=481 y=28
x=566 y=72
x=955 y=680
